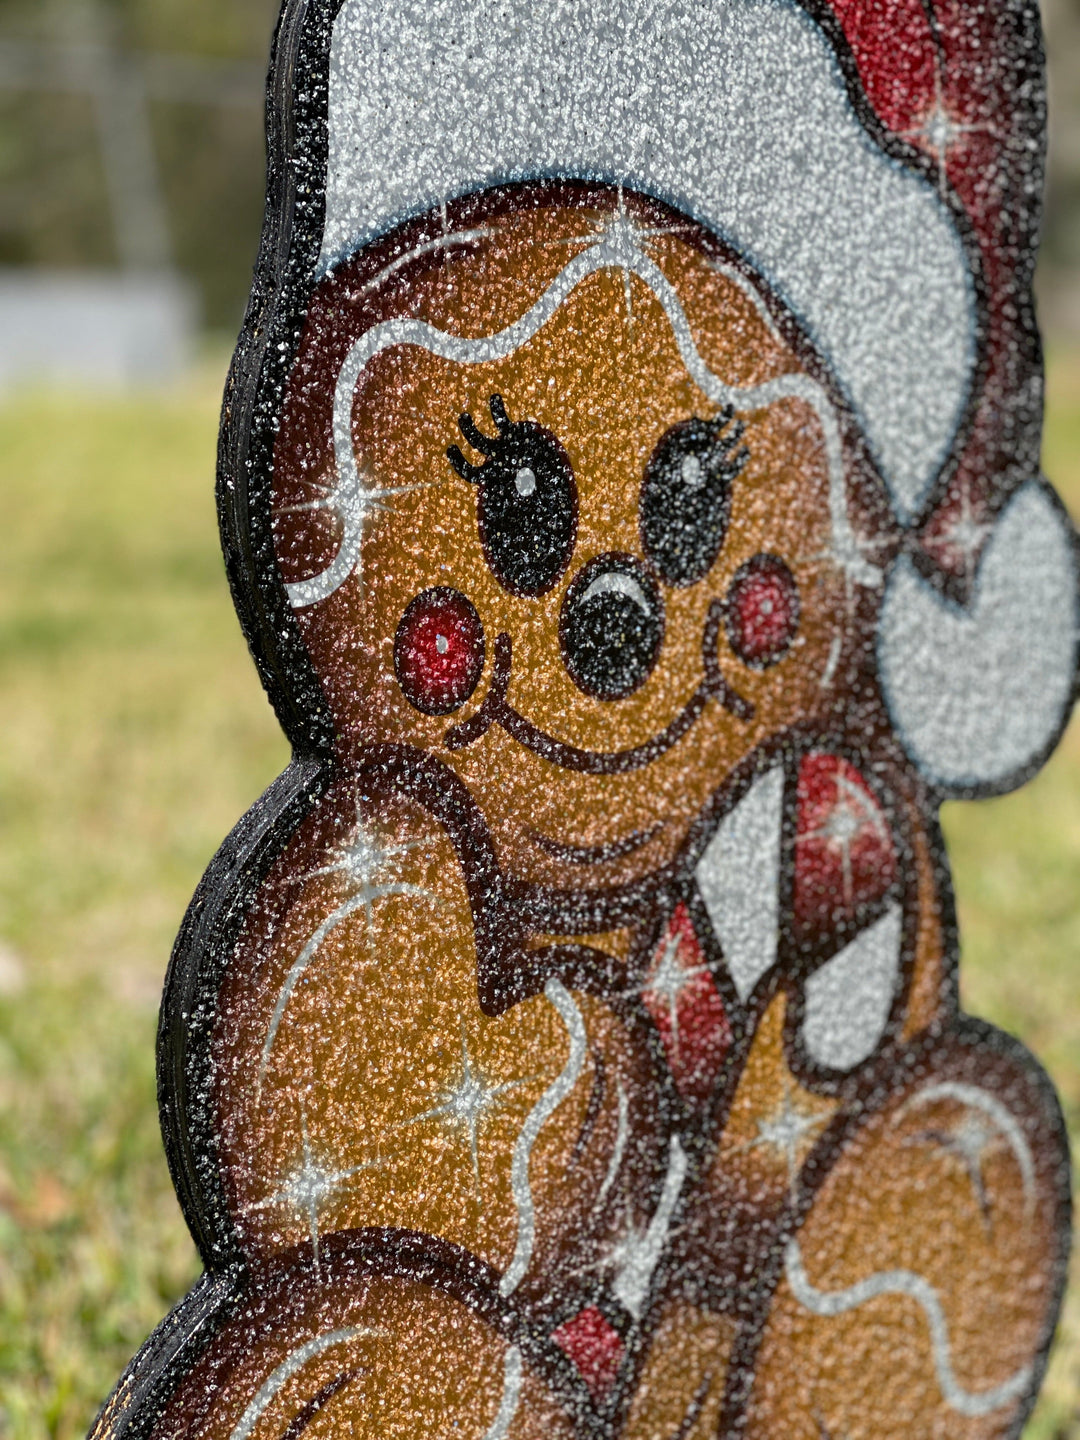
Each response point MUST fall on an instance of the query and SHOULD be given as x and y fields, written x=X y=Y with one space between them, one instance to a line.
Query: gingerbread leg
x=362 y=1350
x=919 y=1290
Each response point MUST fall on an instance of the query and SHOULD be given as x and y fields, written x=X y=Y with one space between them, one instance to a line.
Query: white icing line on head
x=355 y=501
x=427 y=247
x=538 y=1116
x=831 y=1303
x=270 y=1387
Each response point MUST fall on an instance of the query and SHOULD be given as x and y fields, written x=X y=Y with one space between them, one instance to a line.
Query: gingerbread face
x=602 y=557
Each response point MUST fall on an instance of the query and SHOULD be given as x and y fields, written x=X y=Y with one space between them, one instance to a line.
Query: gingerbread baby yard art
x=629 y=483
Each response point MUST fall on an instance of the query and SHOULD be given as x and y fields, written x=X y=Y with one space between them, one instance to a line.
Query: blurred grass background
x=134 y=735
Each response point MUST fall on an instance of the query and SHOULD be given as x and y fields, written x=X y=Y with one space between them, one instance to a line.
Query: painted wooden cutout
x=629 y=483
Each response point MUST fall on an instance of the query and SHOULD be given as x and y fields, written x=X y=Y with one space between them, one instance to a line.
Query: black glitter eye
x=527 y=503
x=686 y=496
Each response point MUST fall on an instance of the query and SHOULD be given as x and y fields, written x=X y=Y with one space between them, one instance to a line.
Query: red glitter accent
x=762 y=611
x=960 y=89
x=439 y=650
x=681 y=996
x=595 y=1347
x=844 y=851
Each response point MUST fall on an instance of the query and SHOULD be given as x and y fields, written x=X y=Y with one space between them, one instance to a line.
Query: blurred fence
x=131 y=140
x=137 y=323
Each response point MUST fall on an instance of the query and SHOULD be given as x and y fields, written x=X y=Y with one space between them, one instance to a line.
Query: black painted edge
x=203 y=947
x=150 y=1379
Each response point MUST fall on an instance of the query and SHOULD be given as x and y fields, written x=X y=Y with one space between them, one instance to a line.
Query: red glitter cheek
x=439 y=650
x=762 y=611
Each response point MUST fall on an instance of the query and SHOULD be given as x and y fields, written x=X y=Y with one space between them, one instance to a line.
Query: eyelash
x=685 y=502
x=527 y=499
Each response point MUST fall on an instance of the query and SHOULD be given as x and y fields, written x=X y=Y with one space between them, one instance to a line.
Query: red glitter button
x=595 y=1347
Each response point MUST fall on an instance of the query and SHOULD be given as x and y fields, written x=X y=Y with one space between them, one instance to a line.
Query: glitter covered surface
x=632 y=510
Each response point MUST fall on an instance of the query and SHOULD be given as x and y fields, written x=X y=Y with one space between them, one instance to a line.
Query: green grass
x=134 y=735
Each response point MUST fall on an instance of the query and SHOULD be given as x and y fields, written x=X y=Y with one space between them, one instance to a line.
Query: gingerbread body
x=570 y=1043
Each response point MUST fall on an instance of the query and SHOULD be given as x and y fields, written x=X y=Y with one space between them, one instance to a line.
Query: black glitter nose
x=611 y=626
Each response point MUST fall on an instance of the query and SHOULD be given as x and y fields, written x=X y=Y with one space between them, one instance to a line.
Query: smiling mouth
x=497 y=710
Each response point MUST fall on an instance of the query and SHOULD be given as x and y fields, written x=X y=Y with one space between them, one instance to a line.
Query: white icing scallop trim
x=975 y=1098
x=354 y=501
x=511 y=1395
x=294 y=1362
x=363 y=901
